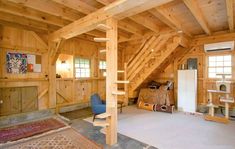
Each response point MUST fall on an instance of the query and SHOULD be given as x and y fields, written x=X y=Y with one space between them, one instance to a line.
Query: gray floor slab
x=93 y=133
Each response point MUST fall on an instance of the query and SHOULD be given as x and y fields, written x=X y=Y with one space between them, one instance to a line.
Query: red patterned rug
x=17 y=132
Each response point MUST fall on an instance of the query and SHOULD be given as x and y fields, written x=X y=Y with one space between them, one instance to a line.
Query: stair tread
x=99 y=123
x=122 y=81
x=101 y=39
x=120 y=71
x=119 y=92
x=103 y=115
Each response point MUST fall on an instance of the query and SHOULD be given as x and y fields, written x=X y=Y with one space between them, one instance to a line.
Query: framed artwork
x=34 y=63
x=20 y=63
x=16 y=63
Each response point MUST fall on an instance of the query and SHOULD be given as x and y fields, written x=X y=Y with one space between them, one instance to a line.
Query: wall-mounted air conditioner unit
x=220 y=46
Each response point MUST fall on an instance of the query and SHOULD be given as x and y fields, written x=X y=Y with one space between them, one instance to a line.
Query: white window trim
x=207 y=65
x=75 y=68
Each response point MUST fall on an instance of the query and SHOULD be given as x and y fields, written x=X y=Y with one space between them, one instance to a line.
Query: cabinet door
x=29 y=99
x=181 y=90
x=10 y=101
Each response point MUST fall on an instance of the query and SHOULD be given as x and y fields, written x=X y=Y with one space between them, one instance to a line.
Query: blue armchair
x=97 y=106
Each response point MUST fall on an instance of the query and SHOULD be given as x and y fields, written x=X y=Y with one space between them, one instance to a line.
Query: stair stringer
x=154 y=64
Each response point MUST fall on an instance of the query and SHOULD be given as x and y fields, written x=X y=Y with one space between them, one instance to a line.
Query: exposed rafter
x=168 y=18
x=21 y=11
x=51 y=8
x=24 y=23
x=130 y=28
x=145 y=22
x=35 y=15
x=87 y=9
x=114 y=9
x=77 y=5
x=213 y=38
x=229 y=5
x=194 y=8
x=138 y=19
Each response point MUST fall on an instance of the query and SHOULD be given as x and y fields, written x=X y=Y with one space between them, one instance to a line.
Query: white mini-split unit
x=220 y=46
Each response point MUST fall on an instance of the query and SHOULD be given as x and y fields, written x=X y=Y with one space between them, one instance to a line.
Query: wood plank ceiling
x=192 y=17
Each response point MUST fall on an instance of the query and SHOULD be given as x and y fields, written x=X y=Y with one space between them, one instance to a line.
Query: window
x=219 y=65
x=82 y=68
x=102 y=66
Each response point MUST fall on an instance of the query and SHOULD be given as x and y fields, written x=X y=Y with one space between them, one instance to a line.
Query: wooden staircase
x=152 y=53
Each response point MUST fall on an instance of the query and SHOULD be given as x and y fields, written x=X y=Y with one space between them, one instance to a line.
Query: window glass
x=219 y=65
x=82 y=68
x=102 y=67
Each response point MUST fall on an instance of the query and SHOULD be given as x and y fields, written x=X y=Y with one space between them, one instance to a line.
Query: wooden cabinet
x=18 y=99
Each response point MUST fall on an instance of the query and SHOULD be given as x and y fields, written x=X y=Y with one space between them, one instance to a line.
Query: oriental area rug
x=17 y=132
x=67 y=138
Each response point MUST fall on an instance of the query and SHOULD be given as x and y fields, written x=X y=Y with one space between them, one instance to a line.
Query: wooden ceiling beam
x=90 y=21
x=87 y=9
x=230 y=15
x=169 y=19
x=138 y=19
x=145 y=22
x=24 y=23
x=30 y=13
x=124 y=25
x=105 y=2
x=77 y=5
x=197 y=13
x=34 y=15
x=141 y=8
x=213 y=39
x=50 y=7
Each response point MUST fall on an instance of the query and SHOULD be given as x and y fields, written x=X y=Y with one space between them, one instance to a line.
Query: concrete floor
x=93 y=133
x=175 y=131
x=141 y=129
x=78 y=114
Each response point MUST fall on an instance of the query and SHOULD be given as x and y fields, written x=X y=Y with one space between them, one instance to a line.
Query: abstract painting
x=16 y=63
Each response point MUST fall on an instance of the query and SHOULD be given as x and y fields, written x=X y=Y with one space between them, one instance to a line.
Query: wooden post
x=125 y=86
x=52 y=77
x=111 y=100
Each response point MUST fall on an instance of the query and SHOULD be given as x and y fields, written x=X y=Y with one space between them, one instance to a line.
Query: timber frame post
x=111 y=78
x=52 y=76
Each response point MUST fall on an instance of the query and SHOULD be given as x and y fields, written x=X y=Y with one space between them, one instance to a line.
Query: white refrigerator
x=187 y=90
